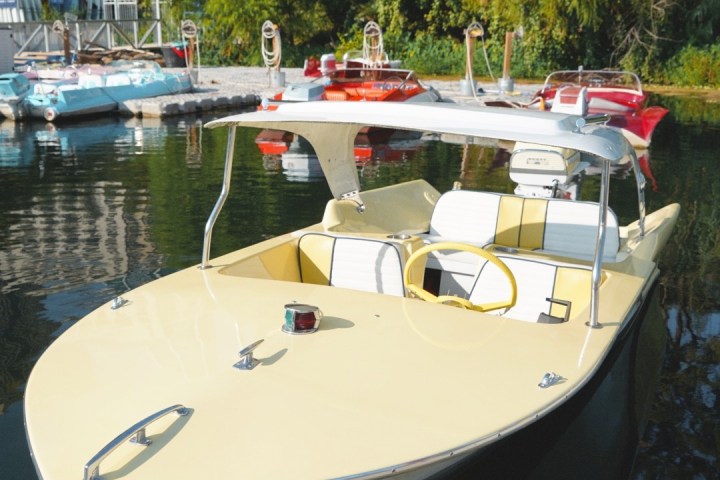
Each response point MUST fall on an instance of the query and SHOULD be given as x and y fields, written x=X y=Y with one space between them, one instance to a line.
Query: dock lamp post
x=506 y=84
x=468 y=86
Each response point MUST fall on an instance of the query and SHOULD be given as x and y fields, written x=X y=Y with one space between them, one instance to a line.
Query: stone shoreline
x=232 y=88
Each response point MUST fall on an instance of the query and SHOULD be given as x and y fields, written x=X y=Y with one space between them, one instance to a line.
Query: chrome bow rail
x=134 y=434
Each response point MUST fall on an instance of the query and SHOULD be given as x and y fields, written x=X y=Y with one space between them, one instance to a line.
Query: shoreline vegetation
x=666 y=42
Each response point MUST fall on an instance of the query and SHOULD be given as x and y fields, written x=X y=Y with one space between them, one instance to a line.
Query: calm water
x=92 y=209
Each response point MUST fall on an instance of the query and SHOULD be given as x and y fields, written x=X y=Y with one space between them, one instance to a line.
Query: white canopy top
x=341 y=121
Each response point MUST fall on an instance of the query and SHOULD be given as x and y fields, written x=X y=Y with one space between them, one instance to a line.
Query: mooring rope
x=373 y=45
x=271 y=46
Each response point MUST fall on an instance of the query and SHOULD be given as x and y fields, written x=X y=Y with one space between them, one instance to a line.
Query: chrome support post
x=229 y=154
x=640 y=180
x=599 y=246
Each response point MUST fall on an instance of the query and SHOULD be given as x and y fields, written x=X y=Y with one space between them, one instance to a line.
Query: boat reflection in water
x=15 y=145
x=294 y=156
x=297 y=160
x=20 y=142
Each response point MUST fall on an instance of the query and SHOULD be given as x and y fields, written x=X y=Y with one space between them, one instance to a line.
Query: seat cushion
x=351 y=262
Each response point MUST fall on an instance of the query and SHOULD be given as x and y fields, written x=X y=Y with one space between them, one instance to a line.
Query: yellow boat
x=407 y=334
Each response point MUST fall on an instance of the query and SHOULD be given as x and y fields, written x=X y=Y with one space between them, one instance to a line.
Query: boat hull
x=638 y=126
x=14 y=88
x=616 y=94
x=162 y=85
x=598 y=431
x=12 y=110
x=69 y=101
x=320 y=348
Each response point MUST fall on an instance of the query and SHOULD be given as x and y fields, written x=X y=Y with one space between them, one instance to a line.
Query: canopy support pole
x=599 y=246
x=229 y=154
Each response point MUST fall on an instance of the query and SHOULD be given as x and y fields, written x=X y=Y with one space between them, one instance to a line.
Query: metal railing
x=108 y=34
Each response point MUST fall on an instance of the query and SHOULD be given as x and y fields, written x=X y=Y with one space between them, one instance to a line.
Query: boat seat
x=45 y=89
x=572 y=100
x=351 y=262
x=557 y=226
x=90 y=81
x=336 y=95
x=537 y=281
x=117 y=79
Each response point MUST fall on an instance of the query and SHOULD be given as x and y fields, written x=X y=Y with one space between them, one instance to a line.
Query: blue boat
x=143 y=79
x=102 y=92
x=52 y=101
x=14 y=87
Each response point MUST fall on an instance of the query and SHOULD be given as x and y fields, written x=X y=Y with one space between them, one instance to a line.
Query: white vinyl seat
x=117 y=79
x=90 y=81
x=351 y=262
x=567 y=285
x=556 y=226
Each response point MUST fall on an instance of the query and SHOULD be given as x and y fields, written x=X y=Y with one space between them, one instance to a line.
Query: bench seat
x=561 y=227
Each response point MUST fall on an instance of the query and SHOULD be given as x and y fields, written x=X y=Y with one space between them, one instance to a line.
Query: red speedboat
x=358 y=84
x=354 y=85
x=616 y=93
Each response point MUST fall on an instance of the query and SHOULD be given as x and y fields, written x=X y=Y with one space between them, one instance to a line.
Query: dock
x=241 y=88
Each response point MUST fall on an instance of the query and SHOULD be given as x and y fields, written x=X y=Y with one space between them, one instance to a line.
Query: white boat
x=322 y=353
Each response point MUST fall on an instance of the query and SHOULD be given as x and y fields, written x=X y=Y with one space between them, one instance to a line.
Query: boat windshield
x=368 y=75
x=594 y=78
x=135 y=65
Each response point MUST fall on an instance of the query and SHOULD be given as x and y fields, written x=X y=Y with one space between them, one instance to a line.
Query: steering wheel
x=388 y=84
x=453 y=299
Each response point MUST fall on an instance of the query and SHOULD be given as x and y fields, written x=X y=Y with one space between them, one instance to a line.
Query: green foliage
x=695 y=66
x=428 y=55
x=428 y=35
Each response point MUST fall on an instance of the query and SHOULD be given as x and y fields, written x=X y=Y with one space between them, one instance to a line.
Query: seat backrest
x=536 y=282
x=571 y=229
x=464 y=215
x=90 y=80
x=117 y=79
x=563 y=227
x=336 y=95
x=351 y=262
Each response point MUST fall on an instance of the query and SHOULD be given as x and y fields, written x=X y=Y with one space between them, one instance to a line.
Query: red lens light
x=304 y=320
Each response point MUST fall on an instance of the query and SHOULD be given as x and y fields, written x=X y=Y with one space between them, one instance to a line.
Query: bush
x=427 y=55
x=695 y=67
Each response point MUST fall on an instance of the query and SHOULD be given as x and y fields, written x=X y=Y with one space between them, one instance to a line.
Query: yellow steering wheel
x=452 y=299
